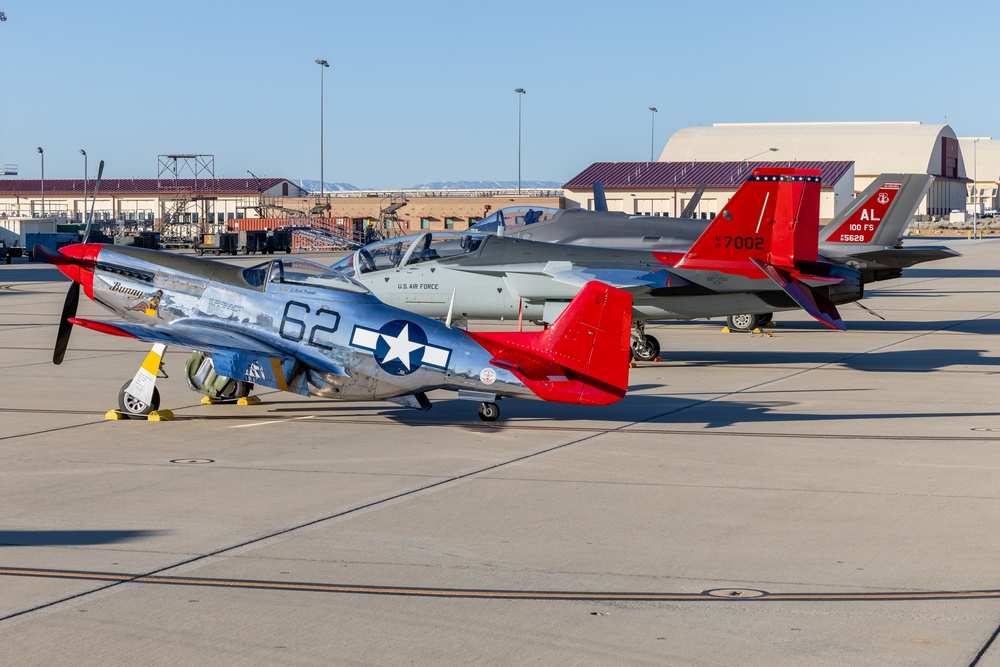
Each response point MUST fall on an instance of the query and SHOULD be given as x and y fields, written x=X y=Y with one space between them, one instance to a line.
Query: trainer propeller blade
x=65 y=326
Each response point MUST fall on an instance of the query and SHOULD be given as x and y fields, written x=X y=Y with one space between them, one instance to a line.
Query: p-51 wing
x=234 y=353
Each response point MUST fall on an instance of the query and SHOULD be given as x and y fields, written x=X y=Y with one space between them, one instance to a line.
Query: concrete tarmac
x=805 y=497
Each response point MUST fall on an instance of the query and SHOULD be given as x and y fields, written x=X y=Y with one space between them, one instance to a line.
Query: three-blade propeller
x=55 y=257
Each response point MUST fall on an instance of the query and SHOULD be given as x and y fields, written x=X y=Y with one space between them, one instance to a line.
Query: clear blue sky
x=419 y=92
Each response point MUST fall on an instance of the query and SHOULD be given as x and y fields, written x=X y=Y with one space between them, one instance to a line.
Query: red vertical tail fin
x=772 y=218
x=582 y=358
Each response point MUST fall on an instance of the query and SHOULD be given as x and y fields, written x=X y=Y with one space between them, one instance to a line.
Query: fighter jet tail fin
x=582 y=358
x=880 y=214
x=770 y=227
x=772 y=218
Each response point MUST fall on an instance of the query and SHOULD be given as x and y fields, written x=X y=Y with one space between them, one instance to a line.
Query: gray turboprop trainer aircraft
x=758 y=255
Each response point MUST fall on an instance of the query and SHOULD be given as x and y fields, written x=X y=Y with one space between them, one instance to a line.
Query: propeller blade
x=49 y=256
x=65 y=326
x=90 y=216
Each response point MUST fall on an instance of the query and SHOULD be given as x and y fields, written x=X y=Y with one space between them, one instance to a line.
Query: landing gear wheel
x=647 y=350
x=489 y=412
x=763 y=319
x=132 y=407
x=742 y=322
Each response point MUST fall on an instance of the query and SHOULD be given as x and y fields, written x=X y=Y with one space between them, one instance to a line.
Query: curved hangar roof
x=875 y=148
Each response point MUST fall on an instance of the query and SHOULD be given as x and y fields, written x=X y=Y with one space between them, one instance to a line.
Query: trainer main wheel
x=133 y=407
x=489 y=412
x=763 y=319
x=647 y=350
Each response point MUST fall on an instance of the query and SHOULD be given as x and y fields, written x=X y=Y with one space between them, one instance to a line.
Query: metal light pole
x=975 y=188
x=84 y=154
x=42 y=153
x=322 y=66
x=652 y=125
x=520 y=92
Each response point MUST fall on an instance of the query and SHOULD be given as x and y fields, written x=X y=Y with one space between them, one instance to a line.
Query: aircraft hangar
x=875 y=148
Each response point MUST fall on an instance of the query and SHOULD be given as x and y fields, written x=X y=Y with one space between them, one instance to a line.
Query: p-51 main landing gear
x=138 y=398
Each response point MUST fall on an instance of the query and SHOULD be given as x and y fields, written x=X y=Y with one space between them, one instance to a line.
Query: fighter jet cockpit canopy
x=408 y=250
x=301 y=272
x=514 y=216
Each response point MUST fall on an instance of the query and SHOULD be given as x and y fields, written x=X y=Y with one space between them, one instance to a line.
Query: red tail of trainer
x=582 y=358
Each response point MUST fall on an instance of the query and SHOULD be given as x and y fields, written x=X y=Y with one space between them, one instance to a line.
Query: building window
x=388 y=223
x=425 y=223
x=449 y=223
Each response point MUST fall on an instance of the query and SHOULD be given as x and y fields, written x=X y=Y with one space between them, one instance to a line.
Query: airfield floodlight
x=322 y=66
x=520 y=93
x=975 y=189
x=84 y=154
x=652 y=125
x=750 y=157
x=42 y=154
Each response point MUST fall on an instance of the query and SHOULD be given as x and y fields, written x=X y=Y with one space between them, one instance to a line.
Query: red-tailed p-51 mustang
x=298 y=326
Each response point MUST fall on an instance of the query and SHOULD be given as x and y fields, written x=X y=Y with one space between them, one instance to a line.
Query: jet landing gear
x=644 y=346
x=489 y=412
x=746 y=322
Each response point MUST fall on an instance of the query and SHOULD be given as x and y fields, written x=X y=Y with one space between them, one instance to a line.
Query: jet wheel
x=133 y=407
x=742 y=322
x=647 y=350
x=763 y=319
x=489 y=412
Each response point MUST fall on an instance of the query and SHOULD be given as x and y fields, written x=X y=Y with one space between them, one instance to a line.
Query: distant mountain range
x=313 y=185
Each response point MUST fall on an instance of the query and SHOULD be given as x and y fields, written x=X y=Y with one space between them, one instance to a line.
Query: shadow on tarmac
x=900 y=361
x=62 y=538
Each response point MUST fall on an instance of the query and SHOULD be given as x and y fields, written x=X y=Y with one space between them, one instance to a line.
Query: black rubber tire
x=246 y=250
x=648 y=351
x=763 y=319
x=489 y=412
x=134 y=408
x=742 y=322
